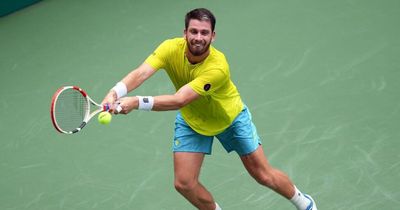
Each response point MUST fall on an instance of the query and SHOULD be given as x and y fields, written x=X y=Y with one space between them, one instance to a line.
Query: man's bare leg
x=187 y=169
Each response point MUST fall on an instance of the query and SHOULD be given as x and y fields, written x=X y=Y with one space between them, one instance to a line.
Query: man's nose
x=198 y=36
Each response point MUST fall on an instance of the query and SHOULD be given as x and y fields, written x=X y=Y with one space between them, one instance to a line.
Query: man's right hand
x=110 y=99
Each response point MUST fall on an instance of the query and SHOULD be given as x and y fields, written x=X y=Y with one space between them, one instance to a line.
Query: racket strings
x=70 y=109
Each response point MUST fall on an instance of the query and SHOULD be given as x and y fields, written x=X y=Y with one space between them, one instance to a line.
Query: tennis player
x=209 y=106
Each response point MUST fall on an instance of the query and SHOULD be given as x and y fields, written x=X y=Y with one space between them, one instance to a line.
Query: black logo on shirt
x=207 y=87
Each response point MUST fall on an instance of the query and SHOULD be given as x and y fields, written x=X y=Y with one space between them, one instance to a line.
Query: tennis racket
x=72 y=108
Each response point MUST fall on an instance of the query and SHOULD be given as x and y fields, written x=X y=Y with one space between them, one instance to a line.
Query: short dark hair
x=201 y=14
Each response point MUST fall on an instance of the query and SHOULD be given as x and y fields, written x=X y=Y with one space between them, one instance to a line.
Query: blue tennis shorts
x=241 y=136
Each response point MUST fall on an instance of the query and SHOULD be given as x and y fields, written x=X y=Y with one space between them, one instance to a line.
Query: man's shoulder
x=178 y=42
x=218 y=59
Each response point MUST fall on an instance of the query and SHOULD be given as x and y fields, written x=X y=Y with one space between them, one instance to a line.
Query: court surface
x=322 y=79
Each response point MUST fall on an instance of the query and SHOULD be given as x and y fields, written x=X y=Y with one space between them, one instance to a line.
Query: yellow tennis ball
x=104 y=118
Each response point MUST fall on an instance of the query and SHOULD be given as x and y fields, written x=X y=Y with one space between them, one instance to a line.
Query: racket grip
x=119 y=108
x=106 y=107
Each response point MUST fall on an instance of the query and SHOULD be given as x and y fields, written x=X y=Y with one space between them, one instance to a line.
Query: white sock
x=217 y=206
x=299 y=200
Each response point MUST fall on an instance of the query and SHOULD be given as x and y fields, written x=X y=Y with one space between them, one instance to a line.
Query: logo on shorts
x=177 y=142
x=207 y=87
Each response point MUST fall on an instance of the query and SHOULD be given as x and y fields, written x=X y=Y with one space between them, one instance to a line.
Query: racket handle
x=106 y=107
x=119 y=108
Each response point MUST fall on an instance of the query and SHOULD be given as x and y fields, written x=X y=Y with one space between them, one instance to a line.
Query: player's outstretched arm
x=130 y=82
x=181 y=98
x=136 y=77
x=184 y=96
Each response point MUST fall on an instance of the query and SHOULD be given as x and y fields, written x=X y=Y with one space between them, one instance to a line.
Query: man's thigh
x=241 y=136
x=188 y=140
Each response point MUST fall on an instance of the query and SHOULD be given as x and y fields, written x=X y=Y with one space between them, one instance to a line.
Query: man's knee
x=184 y=185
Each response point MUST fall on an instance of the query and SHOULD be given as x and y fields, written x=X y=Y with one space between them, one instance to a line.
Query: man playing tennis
x=209 y=106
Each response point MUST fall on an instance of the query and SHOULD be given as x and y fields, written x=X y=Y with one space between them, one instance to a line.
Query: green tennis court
x=322 y=79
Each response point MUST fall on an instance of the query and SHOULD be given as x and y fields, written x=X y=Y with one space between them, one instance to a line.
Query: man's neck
x=196 y=59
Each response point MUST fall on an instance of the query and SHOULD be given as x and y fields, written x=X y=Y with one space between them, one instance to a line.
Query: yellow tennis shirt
x=219 y=103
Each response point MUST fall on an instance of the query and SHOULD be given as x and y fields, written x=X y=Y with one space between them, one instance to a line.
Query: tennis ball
x=104 y=118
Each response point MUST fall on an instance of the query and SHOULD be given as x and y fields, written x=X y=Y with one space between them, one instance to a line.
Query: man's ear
x=184 y=34
x=213 y=36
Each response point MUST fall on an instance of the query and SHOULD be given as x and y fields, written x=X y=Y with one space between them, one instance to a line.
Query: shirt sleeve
x=159 y=57
x=208 y=82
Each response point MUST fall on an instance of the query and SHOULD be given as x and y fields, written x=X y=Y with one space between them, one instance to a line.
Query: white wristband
x=121 y=89
x=145 y=103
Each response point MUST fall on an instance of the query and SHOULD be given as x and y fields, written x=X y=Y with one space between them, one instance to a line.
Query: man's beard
x=196 y=51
